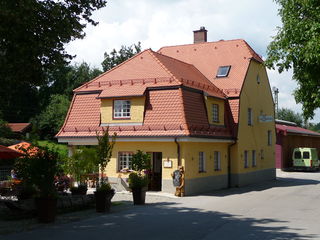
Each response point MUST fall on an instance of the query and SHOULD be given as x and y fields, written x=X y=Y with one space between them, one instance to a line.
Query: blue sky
x=157 y=23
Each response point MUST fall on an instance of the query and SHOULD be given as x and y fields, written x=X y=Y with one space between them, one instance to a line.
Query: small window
x=261 y=154
x=306 y=155
x=269 y=138
x=201 y=162
x=215 y=112
x=124 y=160
x=297 y=155
x=217 y=160
x=254 y=159
x=223 y=71
x=250 y=117
x=258 y=79
x=246 y=160
x=121 y=109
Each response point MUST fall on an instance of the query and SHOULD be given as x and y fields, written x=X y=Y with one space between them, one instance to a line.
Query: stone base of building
x=205 y=184
x=243 y=179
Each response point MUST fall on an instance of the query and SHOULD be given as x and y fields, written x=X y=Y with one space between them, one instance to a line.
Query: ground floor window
x=254 y=159
x=201 y=162
x=124 y=160
x=217 y=160
x=246 y=160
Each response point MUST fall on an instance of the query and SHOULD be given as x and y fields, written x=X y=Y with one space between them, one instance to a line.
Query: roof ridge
x=110 y=70
x=202 y=43
x=251 y=51
x=162 y=65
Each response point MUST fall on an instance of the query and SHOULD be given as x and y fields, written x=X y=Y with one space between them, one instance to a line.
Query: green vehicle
x=305 y=159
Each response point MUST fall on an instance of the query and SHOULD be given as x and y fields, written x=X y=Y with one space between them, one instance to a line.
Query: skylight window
x=223 y=71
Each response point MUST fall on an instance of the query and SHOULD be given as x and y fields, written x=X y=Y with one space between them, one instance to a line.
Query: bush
x=137 y=180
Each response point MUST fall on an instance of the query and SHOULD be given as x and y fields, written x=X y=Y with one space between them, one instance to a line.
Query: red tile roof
x=19 y=127
x=119 y=91
x=285 y=129
x=173 y=80
x=209 y=56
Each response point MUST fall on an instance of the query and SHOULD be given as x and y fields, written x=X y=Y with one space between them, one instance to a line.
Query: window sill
x=217 y=170
x=129 y=118
x=202 y=171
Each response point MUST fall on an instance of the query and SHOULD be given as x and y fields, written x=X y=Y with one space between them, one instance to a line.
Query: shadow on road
x=167 y=221
x=279 y=182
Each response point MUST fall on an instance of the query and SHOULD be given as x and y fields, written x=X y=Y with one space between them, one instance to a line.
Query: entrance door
x=156 y=171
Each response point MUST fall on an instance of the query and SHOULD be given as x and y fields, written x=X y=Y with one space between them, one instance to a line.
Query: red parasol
x=7 y=153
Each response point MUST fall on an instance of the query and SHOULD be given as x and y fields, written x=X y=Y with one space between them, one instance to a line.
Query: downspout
x=229 y=163
x=178 y=151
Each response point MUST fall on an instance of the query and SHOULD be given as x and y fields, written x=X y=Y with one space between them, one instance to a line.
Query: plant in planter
x=104 y=192
x=138 y=179
x=103 y=195
x=38 y=168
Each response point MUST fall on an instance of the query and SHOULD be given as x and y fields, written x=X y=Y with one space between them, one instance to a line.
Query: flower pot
x=139 y=195
x=103 y=200
x=46 y=208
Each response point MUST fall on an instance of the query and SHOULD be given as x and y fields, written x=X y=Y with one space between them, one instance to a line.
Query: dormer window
x=223 y=71
x=121 y=109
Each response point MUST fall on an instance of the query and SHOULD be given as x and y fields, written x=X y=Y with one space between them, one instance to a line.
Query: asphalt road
x=284 y=209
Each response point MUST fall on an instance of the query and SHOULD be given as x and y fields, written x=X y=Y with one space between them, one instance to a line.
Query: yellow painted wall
x=168 y=149
x=137 y=110
x=190 y=158
x=209 y=101
x=259 y=98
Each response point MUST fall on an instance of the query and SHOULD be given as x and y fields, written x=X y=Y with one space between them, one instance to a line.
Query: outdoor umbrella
x=7 y=153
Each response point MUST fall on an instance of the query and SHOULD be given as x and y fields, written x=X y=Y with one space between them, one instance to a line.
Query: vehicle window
x=297 y=154
x=306 y=155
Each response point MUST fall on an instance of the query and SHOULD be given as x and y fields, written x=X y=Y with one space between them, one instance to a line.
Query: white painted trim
x=121 y=124
x=94 y=141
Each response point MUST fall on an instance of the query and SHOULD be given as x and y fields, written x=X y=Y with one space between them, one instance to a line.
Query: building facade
x=206 y=106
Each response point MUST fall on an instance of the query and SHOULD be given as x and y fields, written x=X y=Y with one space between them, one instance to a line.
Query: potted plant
x=104 y=192
x=103 y=195
x=38 y=168
x=138 y=179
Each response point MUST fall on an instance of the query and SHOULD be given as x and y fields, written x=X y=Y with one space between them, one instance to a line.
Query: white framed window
x=254 y=158
x=250 y=117
x=217 y=160
x=124 y=160
x=215 y=112
x=223 y=71
x=246 y=159
x=269 y=138
x=202 y=162
x=121 y=108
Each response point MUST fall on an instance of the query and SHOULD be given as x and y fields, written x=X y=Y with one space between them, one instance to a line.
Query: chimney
x=200 y=36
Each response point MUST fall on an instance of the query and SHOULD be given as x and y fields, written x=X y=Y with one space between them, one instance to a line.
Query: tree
x=114 y=58
x=289 y=115
x=51 y=119
x=104 y=150
x=297 y=46
x=35 y=46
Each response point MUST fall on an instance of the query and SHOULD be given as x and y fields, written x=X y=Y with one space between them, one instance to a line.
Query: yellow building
x=206 y=106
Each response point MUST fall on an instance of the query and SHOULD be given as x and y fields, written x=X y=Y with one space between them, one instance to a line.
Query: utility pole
x=275 y=93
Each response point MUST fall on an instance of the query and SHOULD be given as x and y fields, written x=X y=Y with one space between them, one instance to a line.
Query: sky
x=158 y=23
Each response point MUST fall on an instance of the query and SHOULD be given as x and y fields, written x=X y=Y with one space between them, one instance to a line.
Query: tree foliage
x=289 y=115
x=115 y=57
x=83 y=161
x=51 y=119
x=297 y=46
x=33 y=37
x=104 y=149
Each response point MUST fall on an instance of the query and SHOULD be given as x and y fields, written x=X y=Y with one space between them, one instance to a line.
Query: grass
x=61 y=148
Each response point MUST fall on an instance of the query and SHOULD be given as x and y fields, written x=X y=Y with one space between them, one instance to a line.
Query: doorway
x=156 y=171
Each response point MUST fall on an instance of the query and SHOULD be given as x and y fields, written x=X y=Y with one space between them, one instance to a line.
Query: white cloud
x=171 y=22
